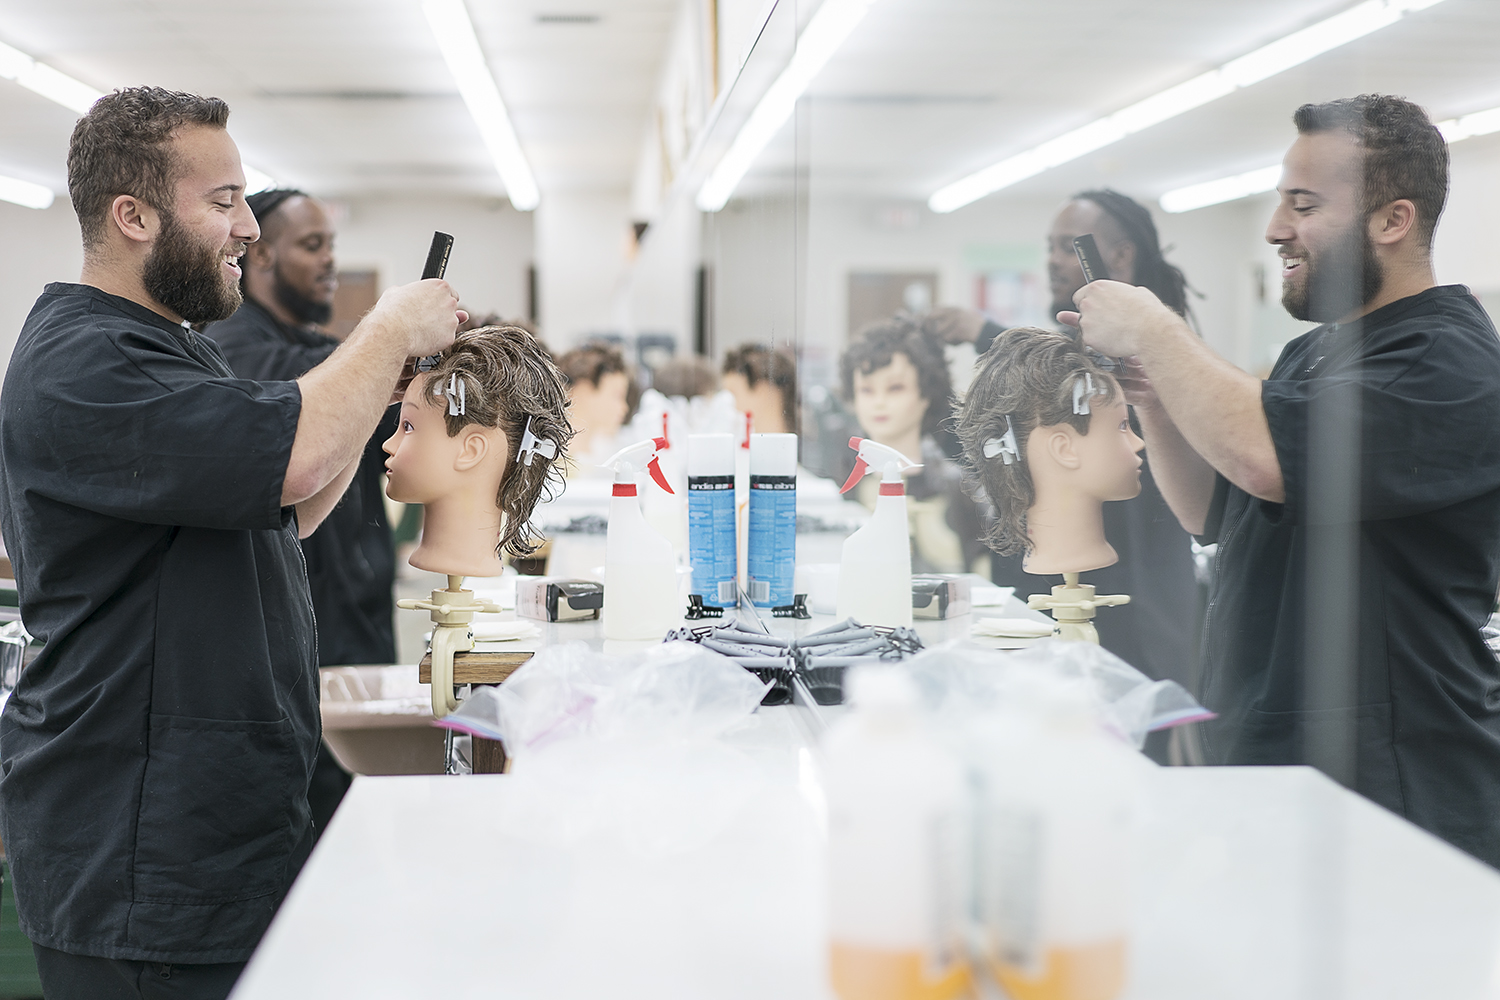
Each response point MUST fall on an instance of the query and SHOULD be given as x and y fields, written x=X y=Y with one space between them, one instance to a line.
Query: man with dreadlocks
x=288 y=281
x=1158 y=633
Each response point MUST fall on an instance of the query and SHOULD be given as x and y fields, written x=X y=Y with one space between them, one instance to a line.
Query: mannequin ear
x=475 y=448
x=1062 y=447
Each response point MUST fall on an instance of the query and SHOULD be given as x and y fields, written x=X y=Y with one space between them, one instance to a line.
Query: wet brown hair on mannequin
x=1025 y=381
x=508 y=378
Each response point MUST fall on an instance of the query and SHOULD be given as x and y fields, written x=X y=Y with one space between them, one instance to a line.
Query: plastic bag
x=623 y=748
x=961 y=678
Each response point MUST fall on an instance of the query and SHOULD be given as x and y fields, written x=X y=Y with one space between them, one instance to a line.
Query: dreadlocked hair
x=1026 y=382
x=508 y=378
x=1151 y=269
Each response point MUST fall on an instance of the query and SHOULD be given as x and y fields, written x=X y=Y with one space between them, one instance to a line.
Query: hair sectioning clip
x=1083 y=391
x=454 y=390
x=1004 y=446
x=531 y=446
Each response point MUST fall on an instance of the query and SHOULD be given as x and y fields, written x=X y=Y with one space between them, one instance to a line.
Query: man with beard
x=289 y=280
x=1354 y=494
x=156 y=752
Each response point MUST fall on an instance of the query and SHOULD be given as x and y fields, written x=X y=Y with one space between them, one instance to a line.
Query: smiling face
x=888 y=402
x=192 y=267
x=1329 y=266
x=1110 y=453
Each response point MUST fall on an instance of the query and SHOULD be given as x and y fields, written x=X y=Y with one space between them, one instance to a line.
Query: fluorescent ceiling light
x=1266 y=61
x=75 y=95
x=43 y=79
x=1265 y=179
x=1224 y=189
x=450 y=23
x=1479 y=123
x=832 y=23
x=25 y=193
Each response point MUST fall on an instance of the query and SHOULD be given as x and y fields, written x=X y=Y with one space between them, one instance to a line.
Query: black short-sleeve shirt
x=1424 y=706
x=156 y=753
x=351 y=559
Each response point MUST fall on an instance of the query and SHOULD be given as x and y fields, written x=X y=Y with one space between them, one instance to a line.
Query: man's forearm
x=312 y=511
x=1186 y=481
x=1216 y=408
x=342 y=400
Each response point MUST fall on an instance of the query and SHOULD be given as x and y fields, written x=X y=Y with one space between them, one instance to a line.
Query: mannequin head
x=763 y=382
x=1065 y=465
x=898 y=381
x=599 y=390
x=457 y=449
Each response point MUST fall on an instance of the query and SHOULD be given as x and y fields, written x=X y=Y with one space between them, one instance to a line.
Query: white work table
x=1254 y=883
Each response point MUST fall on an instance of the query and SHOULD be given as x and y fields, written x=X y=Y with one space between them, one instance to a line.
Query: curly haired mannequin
x=1048 y=434
x=480 y=442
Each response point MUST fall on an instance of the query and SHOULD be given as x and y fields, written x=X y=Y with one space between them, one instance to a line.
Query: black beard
x=302 y=308
x=187 y=277
x=1343 y=278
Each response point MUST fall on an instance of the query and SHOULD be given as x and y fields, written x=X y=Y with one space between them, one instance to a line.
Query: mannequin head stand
x=482 y=439
x=1047 y=435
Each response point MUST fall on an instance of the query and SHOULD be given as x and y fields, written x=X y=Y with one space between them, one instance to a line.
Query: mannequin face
x=888 y=402
x=763 y=403
x=1104 y=464
x=599 y=410
x=427 y=465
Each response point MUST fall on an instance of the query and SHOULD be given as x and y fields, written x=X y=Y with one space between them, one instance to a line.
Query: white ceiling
x=351 y=97
x=927 y=91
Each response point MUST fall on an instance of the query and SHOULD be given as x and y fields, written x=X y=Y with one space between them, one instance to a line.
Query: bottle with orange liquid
x=895 y=849
x=1053 y=858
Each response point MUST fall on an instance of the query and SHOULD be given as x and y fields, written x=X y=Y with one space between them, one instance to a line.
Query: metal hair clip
x=454 y=390
x=1083 y=391
x=1004 y=446
x=531 y=445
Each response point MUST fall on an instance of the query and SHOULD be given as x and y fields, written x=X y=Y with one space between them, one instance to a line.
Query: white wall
x=583 y=242
x=37 y=247
x=1467 y=247
x=492 y=245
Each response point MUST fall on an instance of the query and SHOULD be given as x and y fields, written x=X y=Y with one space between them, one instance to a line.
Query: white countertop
x=1253 y=883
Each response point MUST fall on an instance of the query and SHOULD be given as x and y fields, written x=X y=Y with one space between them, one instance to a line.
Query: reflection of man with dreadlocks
x=1158 y=632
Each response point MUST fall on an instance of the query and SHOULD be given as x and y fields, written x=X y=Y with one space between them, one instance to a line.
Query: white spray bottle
x=640 y=571
x=875 y=572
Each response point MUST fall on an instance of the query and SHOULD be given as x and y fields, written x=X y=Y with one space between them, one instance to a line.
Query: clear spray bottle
x=640 y=570
x=875 y=572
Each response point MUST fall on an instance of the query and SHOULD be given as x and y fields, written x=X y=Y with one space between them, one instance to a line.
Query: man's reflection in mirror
x=896 y=379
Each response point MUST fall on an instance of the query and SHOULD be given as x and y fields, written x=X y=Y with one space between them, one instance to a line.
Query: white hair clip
x=531 y=446
x=1083 y=391
x=1004 y=446
x=454 y=390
